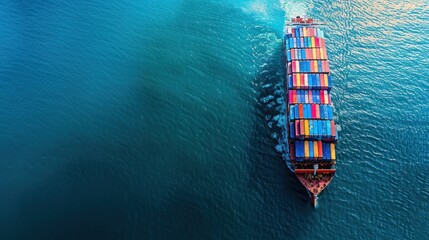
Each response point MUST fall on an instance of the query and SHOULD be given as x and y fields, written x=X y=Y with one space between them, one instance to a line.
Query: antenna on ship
x=315 y=167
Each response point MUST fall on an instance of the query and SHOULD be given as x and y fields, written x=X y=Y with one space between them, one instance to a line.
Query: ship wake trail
x=292 y=9
x=271 y=94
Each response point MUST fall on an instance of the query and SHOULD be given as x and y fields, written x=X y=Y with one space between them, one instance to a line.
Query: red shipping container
x=301 y=127
x=322 y=83
x=292 y=151
x=333 y=130
x=322 y=43
x=317 y=106
x=302 y=80
x=301 y=111
x=290 y=96
x=310 y=97
x=319 y=148
x=292 y=54
x=317 y=42
x=313 y=111
x=322 y=98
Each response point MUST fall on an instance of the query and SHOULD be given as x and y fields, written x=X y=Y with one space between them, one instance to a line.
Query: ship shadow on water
x=278 y=187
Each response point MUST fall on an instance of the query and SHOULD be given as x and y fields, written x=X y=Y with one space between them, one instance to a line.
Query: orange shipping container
x=319 y=147
x=302 y=80
x=306 y=128
x=295 y=100
x=301 y=111
x=325 y=77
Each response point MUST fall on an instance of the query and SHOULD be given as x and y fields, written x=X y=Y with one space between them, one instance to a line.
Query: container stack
x=312 y=134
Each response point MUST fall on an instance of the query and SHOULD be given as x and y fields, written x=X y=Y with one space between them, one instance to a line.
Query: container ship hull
x=310 y=127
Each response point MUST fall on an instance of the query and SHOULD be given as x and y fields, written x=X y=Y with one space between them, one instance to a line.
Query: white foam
x=293 y=9
x=256 y=7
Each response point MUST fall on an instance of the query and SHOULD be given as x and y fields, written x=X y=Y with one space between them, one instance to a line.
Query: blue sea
x=162 y=119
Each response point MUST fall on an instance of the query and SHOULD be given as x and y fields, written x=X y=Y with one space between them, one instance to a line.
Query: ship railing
x=298 y=21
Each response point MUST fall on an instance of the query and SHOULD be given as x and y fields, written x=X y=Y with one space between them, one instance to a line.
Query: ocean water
x=162 y=120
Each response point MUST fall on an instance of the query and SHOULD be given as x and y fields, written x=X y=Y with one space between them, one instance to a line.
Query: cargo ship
x=310 y=129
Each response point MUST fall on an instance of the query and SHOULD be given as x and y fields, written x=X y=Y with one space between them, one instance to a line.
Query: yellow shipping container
x=316 y=150
x=306 y=129
x=333 y=157
x=306 y=152
x=325 y=78
x=298 y=80
x=313 y=44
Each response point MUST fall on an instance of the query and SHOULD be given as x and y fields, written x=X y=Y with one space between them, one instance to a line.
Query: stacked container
x=312 y=134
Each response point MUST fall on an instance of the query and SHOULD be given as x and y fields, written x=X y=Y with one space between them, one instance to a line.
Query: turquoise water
x=160 y=119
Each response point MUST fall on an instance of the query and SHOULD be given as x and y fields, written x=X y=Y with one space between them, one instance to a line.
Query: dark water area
x=162 y=120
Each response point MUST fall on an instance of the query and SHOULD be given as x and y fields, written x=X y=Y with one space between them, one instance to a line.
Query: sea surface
x=162 y=119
